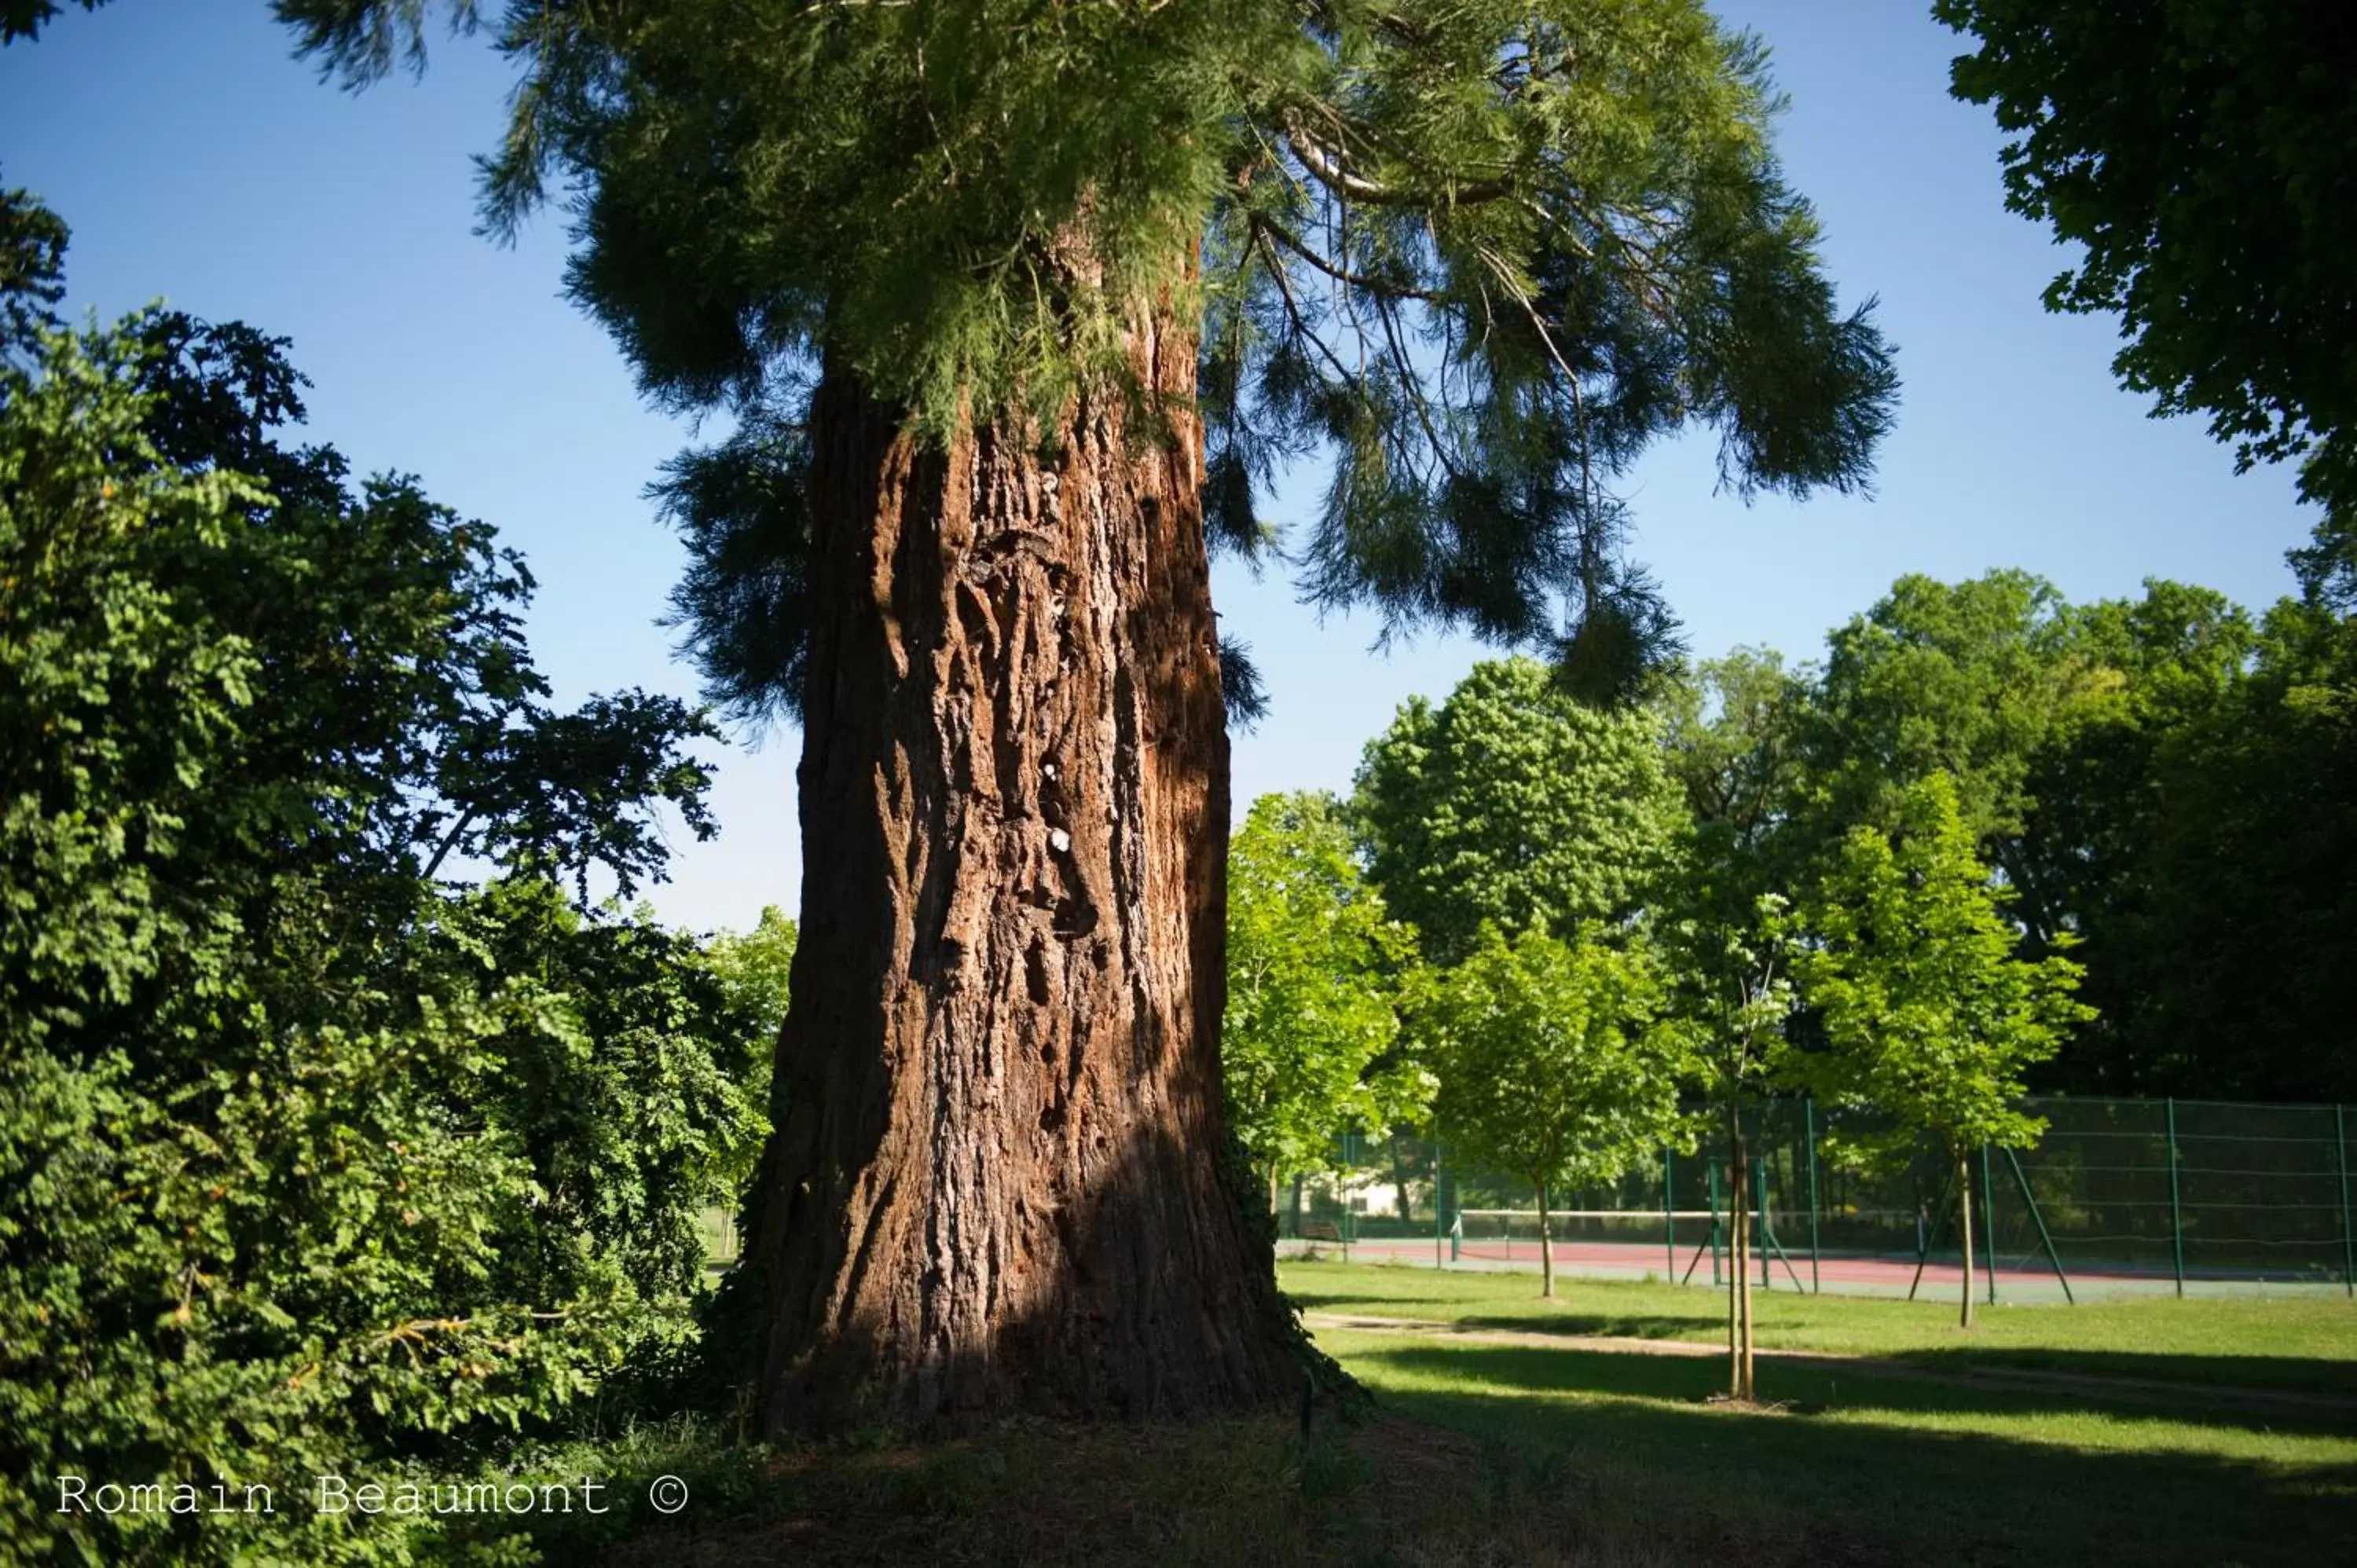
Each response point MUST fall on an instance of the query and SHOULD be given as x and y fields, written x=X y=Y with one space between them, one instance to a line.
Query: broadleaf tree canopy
x=1930 y=1019
x=2199 y=151
x=309 y=1161
x=1515 y=804
x=1559 y=1059
x=1309 y=1042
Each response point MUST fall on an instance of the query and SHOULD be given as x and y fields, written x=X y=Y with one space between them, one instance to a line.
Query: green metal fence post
x=1439 y=1211
x=2176 y=1199
x=1669 y=1212
x=1457 y=1225
x=2030 y=1198
x=1713 y=1165
x=1809 y=1131
x=2348 y=1241
x=1772 y=1250
x=1989 y=1224
x=1760 y=1202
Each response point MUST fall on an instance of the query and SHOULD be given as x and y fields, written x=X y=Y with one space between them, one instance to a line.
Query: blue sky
x=198 y=162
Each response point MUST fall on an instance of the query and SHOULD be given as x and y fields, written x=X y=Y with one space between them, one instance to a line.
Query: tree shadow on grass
x=2323 y=1389
x=2321 y=1376
x=1846 y=1450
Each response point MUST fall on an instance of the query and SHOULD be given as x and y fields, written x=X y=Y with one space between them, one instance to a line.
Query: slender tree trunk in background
x=1399 y=1180
x=1734 y=1316
x=998 y=1187
x=1546 y=1248
x=1964 y=1220
x=1744 y=1374
x=1740 y=1384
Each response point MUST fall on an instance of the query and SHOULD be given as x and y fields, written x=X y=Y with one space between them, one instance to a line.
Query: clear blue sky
x=198 y=163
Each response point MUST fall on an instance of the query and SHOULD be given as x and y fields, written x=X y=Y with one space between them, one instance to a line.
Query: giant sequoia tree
x=1017 y=305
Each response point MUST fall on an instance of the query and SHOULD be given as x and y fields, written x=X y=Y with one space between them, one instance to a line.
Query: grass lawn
x=1874 y=1469
x=1488 y=1455
x=2305 y=1343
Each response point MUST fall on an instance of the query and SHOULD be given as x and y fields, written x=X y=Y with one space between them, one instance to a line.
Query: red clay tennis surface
x=1847 y=1273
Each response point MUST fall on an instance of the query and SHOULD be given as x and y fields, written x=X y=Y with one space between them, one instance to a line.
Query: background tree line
x=2168 y=782
x=1991 y=843
x=2166 y=786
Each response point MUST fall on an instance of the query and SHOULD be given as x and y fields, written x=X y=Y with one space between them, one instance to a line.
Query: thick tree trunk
x=997 y=1186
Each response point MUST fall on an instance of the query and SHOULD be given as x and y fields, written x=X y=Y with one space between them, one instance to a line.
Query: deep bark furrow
x=996 y=1184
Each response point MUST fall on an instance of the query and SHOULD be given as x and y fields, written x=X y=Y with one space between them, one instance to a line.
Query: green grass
x=2307 y=1343
x=1874 y=1468
x=1904 y=1471
x=1485 y=1454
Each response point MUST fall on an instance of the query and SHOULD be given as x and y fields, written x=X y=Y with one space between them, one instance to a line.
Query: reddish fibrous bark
x=997 y=1185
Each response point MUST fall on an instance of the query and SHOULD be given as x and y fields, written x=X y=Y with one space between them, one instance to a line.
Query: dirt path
x=2337 y=1409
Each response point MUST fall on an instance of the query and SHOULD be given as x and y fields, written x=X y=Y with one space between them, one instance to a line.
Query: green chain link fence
x=2117 y=1195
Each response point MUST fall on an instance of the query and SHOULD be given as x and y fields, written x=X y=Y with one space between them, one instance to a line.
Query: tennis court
x=2115 y=1196
x=1846 y=1273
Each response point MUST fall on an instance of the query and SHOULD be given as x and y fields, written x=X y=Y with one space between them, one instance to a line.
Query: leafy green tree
x=1731 y=733
x=32 y=270
x=1930 y=1021
x=1517 y=804
x=631 y=1096
x=1976 y=679
x=1729 y=726
x=1732 y=987
x=306 y=1161
x=2103 y=804
x=1018 y=304
x=2152 y=777
x=1557 y=1059
x=2196 y=152
x=2220 y=937
x=756 y=968
x=1309 y=1045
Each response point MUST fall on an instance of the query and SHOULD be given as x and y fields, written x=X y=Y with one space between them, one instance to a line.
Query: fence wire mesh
x=2116 y=1194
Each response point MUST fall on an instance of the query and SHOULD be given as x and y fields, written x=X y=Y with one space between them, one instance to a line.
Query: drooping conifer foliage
x=1480 y=254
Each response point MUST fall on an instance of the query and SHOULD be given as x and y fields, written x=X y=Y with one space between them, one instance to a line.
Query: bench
x=1323 y=1231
